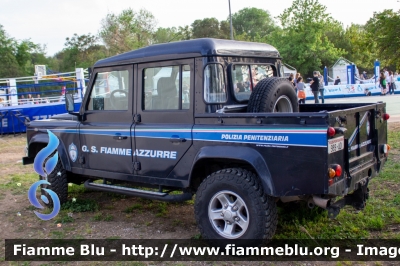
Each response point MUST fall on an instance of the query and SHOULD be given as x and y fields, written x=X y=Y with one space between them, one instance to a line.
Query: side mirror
x=69 y=103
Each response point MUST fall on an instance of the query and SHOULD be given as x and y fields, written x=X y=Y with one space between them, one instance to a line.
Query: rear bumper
x=359 y=177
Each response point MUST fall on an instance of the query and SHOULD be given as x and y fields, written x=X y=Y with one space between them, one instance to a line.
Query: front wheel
x=230 y=204
x=58 y=183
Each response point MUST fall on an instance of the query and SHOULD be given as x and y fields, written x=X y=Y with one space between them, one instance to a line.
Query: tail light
x=385 y=148
x=331 y=172
x=385 y=116
x=338 y=170
x=331 y=131
x=334 y=171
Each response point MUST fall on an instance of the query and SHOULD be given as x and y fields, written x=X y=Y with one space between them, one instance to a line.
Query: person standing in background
x=296 y=79
x=38 y=100
x=396 y=78
x=291 y=79
x=390 y=81
x=337 y=81
x=361 y=79
x=314 y=84
x=321 y=86
x=386 y=73
x=21 y=100
x=382 y=83
x=30 y=99
x=301 y=94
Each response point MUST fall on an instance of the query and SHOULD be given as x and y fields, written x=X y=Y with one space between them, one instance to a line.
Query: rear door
x=361 y=125
x=354 y=149
x=165 y=106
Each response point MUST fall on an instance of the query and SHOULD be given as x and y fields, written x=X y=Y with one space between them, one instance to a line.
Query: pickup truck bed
x=296 y=146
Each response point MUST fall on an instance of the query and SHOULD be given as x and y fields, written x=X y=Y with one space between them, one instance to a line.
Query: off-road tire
x=262 y=211
x=59 y=184
x=270 y=91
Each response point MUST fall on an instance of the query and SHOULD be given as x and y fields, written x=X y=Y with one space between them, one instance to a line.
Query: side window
x=214 y=84
x=110 y=91
x=167 y=88
x=246 y=77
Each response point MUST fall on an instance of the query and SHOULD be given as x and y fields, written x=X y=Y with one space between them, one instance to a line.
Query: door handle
x=120 y=137
x=177 y=140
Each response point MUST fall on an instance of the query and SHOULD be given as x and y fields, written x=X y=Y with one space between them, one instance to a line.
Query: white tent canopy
x=288 y=69
x=340 y=69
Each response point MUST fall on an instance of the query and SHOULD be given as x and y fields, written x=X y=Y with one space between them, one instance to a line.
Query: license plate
x=336 y=144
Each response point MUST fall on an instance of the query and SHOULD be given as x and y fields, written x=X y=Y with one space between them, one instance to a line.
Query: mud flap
x=358 y=199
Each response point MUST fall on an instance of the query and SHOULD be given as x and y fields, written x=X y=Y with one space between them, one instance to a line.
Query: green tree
x=185 y=32
x=19 y=58
x=383 y=29
x=302 y=41
x=354 y=42
x=210 y=28
x=128 y=30
x=28 y=55
x=80 y=51
x=362 y=49
x=336 y=34
x=8 y=46
x=165 y=35
x=225 y=30
x=254 y=23
x=82 y=42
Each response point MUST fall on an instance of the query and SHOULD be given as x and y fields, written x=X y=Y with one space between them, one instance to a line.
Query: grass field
x=91 y=214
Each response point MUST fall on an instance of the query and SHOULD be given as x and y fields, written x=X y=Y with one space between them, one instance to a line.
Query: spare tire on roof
x=273 y=95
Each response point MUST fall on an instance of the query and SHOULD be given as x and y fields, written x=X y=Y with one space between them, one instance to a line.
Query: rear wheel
x=230 y=204
x=275 y=95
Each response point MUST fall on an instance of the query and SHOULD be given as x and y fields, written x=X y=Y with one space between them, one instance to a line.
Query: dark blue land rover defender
x=216 y=119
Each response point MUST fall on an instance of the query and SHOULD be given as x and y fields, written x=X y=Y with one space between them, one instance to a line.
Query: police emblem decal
x=73 y=152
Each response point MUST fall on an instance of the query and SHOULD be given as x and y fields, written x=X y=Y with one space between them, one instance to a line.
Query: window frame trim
x=130 y=87
x=180 y=89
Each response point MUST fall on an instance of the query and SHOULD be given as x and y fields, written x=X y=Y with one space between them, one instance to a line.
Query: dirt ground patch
x=155 y=217
x=114 y=218
x=394 y=126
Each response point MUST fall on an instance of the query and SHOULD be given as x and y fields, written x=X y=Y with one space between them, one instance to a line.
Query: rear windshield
x=246 y=77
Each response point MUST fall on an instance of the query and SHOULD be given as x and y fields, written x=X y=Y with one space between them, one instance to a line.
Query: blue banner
x=12 y=118
x=377 y=65
x=326 y=76
x=351 y=71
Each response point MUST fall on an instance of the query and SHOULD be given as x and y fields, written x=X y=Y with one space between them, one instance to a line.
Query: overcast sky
x=49 y=22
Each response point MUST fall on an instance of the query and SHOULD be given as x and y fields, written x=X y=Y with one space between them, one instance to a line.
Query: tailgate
x=357 y=146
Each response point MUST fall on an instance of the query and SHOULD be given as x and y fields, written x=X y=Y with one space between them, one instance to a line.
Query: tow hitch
x=358 y=199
